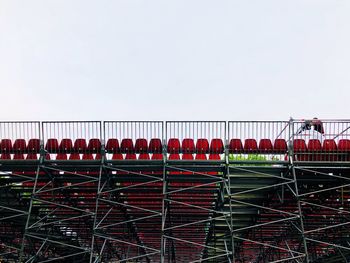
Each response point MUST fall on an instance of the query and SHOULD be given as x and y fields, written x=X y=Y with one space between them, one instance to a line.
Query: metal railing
x=305 y=140
x=321 y=140
x=133 y=139
x=72 y=137
x=19 y=139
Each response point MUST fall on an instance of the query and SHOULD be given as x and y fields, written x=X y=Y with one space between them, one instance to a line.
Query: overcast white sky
x=174 y=60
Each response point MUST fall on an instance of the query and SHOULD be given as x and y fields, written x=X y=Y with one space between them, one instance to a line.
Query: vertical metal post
x=96 y=205
x=42 y=156
x=292 y=167
x=228 y=180
x=164 y=206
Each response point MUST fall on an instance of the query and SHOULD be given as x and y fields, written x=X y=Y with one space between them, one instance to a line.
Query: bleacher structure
x=175 y=191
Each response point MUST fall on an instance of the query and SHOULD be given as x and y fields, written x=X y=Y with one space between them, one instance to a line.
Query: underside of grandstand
x=175 y=191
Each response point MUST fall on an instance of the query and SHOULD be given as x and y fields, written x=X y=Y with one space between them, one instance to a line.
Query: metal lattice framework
x=175 y=191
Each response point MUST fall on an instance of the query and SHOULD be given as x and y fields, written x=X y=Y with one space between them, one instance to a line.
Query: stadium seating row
x=115 y=156
x=174 y=146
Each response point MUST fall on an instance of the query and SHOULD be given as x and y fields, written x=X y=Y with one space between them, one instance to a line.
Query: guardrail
x=303 y=140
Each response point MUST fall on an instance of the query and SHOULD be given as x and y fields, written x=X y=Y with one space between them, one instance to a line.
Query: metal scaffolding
x=175 y=191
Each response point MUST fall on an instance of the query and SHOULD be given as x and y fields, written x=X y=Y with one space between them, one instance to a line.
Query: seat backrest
x=235 y=146
x=329 y=145
x=141 y=145
x=314 y=145
x=66 y=145
x=188 y=145
x=216 y=146
x=52 y=145
x=299 y=145
x=19 y=145
x=265 y=146
x=94 y=145
x=112 y=146
x=127 y=146
x=250 y=146
x=202 y=146
x=344 y=145
x=155 y=145
x=80 y=145
x=174 y=145
x=6 y=145
x=33 y=146
x=280 y=146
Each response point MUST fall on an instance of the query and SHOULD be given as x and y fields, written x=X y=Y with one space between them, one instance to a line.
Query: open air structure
x=175 y=191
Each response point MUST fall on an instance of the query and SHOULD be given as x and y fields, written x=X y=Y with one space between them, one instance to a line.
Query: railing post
x=292 y=168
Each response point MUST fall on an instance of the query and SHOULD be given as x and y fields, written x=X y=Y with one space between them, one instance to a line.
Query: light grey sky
x=174 y=60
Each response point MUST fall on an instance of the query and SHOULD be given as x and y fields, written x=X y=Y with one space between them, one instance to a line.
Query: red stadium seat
x=235 y=146
x=314 y=145
x=18 y=156
x=201 y=156
x=19 y=145
x=47 y=156
x=127 y=146
x=33 y=146
x=94 y=145
x=174 y=145
x=6 y=146
x=250 y=146
x=112 y=146
x=214 y=156
x=61 y=156
x=98 y=156
x=52 y=145
x=5 y=156
x=202 y=146
x=329 y=145
x=66 y=146
x=144 y=156
x=187 y=156
x=117 y=156
x=174 y=156
x=155 y=146
x=74 y=156
x=130 y=156
x=88 y=156
x=216 y=146
x=265 y=146
x=32 y=156
x=80 y=145
x=344 y=145
x=299 y=145
x=280 y=146
x=141 y=145
x=188 y=145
